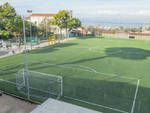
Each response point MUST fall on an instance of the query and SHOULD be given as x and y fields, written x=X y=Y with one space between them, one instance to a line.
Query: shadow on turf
x=128 y=53
x=121 y=52
x=85 y=60
x=52 y=48
x=118 y=95
x=105 y=92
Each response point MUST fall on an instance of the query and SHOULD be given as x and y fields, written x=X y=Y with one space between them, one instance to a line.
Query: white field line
x=107 y=74
x=91 y=70
x=9 y=82
x=94 y=104
x=136 y=92
x=9 y=67
x=88 y=69
x=14 y=83
x=55 y=76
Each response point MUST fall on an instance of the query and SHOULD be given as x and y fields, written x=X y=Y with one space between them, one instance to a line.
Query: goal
x=39 y=85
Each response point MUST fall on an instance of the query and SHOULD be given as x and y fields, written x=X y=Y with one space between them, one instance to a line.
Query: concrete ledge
x=55 y=106
x=1 y=93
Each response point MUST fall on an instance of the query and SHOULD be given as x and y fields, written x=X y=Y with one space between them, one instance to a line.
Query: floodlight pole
x=30 y=11
x=31 y=33
x=26 y=61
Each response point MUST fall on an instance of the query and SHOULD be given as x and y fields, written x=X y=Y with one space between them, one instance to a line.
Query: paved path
x=2 y=53
x=21 y=49
x=10 y=104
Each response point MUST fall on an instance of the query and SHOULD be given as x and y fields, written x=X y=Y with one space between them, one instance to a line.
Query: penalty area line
x=94 y=104
x=88 y=69
x=135 y=96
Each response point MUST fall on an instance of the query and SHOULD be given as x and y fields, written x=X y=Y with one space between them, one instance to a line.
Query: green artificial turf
x=101 y=71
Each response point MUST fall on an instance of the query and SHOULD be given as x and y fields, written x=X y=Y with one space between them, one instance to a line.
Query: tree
x=148 y=28
x=45 y=29
x=64 y=21
x=11 y=25
x=17 y=28
x=121 y=28
x=61 y=20
x=92 y=30
x=7 y=10
x=74 y=23
x=7 y=15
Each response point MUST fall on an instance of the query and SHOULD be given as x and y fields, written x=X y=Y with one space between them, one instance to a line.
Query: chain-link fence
x=38 y=86
x=13 y=46
x=111 y=94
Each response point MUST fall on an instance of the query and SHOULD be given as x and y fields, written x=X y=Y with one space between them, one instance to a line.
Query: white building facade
x=38 y=18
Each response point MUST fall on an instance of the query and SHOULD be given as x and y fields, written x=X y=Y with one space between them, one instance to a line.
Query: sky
x=90 y=11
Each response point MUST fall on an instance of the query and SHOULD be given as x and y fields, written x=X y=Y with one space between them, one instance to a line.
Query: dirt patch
x=10 y=104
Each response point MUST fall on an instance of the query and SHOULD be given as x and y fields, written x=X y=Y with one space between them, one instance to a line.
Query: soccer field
x=101 y=74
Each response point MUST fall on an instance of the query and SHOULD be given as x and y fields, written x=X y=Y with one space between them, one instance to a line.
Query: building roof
x=43 y=15
x=84 y=32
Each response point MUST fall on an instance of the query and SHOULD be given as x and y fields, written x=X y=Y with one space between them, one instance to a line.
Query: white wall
x=38 y=19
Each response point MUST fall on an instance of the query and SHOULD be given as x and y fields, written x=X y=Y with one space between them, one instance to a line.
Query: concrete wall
x=126 y=35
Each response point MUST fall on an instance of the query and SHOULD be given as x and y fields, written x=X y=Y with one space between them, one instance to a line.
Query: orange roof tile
x=84 y=32
x=43 y=15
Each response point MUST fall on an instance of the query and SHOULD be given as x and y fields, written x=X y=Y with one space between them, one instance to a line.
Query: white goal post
x=40 y=85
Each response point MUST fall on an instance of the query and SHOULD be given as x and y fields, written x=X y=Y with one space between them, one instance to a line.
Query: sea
x=115 y=23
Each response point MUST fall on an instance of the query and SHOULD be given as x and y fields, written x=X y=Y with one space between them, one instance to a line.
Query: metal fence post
x=26 y=62
x=139 y=106
x=61 y=86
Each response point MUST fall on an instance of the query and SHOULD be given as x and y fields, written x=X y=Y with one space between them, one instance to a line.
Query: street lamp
x=30 y=11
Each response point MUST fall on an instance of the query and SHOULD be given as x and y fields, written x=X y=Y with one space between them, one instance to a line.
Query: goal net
x=39 y=85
